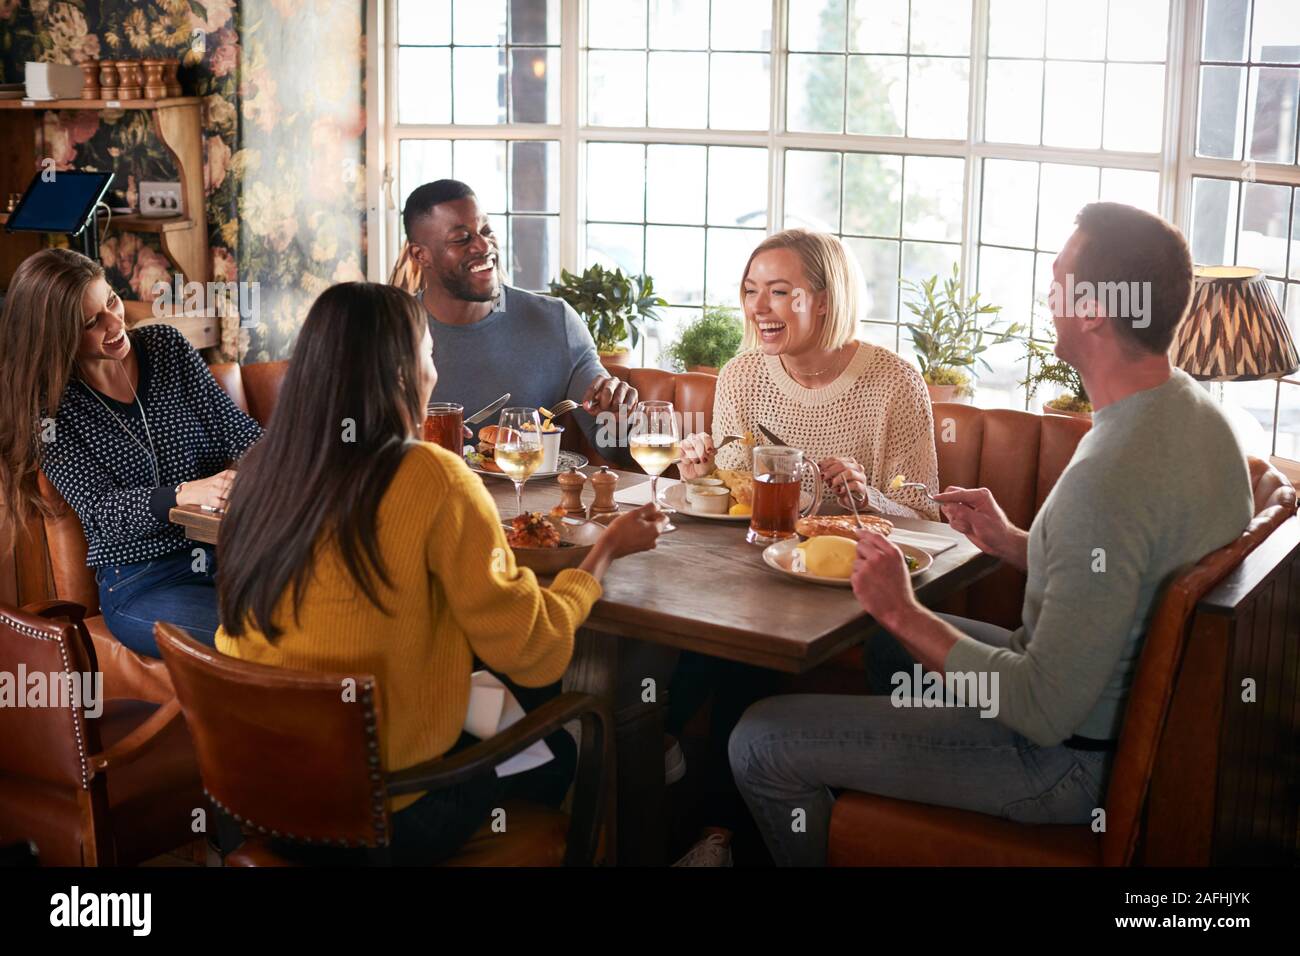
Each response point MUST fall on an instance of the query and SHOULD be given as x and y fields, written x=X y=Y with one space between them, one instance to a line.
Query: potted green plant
x=1046 y=369
x=948 y=336
x=614 y=306
x=709 y=342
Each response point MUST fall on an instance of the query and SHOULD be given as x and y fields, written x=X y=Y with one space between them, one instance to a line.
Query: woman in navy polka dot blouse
x=124 y=425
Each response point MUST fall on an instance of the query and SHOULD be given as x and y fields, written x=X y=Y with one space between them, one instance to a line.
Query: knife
x=488 y=411
x=771 y=436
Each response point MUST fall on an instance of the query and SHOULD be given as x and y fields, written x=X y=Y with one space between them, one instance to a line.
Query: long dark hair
x=346 y=414
x=40 y=332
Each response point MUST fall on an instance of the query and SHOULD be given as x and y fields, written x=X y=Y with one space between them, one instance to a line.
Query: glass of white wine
x=654 y=439
x=519 y=448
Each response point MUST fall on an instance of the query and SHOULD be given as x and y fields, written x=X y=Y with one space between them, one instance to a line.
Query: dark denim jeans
x=178 y=588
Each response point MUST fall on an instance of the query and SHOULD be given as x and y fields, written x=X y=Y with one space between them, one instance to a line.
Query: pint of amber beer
x=778 y=475
x=444 y=425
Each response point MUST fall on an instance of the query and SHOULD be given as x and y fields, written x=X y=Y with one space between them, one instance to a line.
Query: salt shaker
x=571 y=484
x=604 y=482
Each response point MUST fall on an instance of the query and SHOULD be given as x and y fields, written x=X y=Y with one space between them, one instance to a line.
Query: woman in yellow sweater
x=352 y=546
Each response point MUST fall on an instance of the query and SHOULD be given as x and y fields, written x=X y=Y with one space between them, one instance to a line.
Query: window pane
x=1009 y=204
x=741 y=25
x=675 y=259
x=1135 y=107
x=535 y=85
x=1265 y=221
x=480 y=22
x=937 y=97
x=1062 y=192
x=738 y=91
x=534 y=21
x=424 y=22
x=1134 y=187
x=534 y=251
x=1015 y=102
x=817 y=25
x=877 y=95
x=941 y=27
x=679 y=24
x=615 y=181
x=1072 y=111
x=1295 y=246
x=816 y=98
x=1275 y=37
x=482 y=164
x=1138 y=29
x=878 y=26
x=812 y=190
x=1223 y=97
x=535 y=177
x=616 y=247
x=1249 y=409
x=676 y=86
x=1076 y=30
x=1271 y=114
x=878 y=259
x=932 y=197
x=1006 y=278
x=738 y=186
x=616 y=23
x=1214 y=221
x=675 y=183
x=616 y=89
x=1227 y=27
x=1016 y=27
x=421 y=161
x=873 y=194
x=423 y=85
x=1000 y=387
x=924 y=259
x=479 y=90
x=879 y=334
x=1288 y=422
x=729 y=250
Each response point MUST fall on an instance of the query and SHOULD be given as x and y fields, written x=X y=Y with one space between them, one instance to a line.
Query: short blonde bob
x=830 y=269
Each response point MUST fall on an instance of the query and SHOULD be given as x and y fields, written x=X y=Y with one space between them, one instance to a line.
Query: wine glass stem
x=519 y=497
x=654 y=489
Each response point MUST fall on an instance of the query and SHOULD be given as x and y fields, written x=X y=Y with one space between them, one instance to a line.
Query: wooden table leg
x=638 y=826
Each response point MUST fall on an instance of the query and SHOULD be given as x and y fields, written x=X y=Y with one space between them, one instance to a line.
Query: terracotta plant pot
x=1049 y=410
x=941 y=393
x=621 y=359
x=706 y=369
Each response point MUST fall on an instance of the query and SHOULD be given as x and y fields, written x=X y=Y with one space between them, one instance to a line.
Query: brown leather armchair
x=117 y=789
x=254 y=389
x=250 y=722
x=871 y=830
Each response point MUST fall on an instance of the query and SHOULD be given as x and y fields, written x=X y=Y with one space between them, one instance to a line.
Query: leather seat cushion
x=880 y=831
x=128 y=675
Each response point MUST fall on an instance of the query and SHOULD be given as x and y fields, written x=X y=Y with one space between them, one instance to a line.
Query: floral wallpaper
x=283 y=137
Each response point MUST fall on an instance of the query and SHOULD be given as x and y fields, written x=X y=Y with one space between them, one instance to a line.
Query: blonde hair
x=829 y=269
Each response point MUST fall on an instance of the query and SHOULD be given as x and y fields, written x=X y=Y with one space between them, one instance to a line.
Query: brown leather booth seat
x=254 y=388
x=1155 y=752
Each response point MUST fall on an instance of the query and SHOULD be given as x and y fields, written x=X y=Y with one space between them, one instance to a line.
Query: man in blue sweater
x=490 y=338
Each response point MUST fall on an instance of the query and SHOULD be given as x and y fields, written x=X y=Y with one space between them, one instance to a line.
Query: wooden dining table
x=702 y=589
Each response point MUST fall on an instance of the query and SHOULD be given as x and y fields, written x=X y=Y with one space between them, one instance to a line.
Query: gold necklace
x=150 y=452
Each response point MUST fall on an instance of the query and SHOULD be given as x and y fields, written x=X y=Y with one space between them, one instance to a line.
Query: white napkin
x=637 y=495
x=934 y=543
x=492 y=708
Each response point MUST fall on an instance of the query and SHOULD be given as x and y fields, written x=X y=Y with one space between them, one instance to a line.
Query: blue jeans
x=178 y=588
x=789 y=752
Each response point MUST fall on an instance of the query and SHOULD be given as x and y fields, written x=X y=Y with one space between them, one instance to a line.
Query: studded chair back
x=290 y=754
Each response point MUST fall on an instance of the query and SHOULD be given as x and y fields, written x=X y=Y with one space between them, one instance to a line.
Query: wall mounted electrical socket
x=160 y=199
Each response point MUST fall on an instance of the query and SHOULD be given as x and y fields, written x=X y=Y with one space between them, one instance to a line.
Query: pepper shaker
x=604 y=482
x=571 y=484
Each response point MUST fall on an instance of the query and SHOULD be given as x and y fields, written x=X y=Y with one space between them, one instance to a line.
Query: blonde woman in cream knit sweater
x=858 y=410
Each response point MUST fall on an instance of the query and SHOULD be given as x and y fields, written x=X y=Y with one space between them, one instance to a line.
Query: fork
x=727 y=440
x=917 y=484
x=563 y=408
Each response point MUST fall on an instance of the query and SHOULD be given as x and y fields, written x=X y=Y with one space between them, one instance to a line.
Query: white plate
x=778 y=556
x=568 y=459
x=676 y=497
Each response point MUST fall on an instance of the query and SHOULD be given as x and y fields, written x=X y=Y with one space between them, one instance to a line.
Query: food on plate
x=741 y=511
x=532 y=530
x=842 y=526
x=484 y=456
x=828 y=556
x=739 y=483
x=897 y=482
x=547 y=426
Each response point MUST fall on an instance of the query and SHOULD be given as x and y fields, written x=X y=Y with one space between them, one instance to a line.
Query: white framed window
x=668 y=136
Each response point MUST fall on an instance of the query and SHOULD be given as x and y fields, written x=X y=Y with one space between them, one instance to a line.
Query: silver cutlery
x=488 y=411
x=772 y=437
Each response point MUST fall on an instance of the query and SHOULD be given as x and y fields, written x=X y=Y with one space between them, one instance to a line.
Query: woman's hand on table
x=629 y=533
x=845 y=476
x=210 y=492
x=698 y=455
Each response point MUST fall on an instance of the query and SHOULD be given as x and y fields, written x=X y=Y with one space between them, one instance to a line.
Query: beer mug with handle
x=778 y=475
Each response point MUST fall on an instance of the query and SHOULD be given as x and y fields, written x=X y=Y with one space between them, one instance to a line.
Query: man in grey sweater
x=1023 y=725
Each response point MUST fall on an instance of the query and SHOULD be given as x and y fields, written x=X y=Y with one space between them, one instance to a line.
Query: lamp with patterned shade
x=1234 y=330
